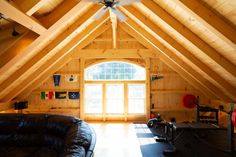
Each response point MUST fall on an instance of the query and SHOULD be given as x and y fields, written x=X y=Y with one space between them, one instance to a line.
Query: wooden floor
x=116 y=140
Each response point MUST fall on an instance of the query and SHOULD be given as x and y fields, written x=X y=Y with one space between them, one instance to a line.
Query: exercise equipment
x=158 y=123
x=189 y=101
x=234 y=117
x=192 y=128
x=203 y=122
x=183 y=129
x=155 y=120
x=201 y=116
x=230 y=128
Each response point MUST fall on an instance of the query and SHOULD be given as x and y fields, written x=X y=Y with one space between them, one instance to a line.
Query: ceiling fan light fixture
x=111 y=5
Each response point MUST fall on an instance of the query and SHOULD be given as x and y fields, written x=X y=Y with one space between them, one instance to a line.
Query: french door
x=115 y=99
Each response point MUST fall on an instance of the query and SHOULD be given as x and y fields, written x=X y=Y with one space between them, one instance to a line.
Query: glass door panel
x=93 y=98
x=115 y=98
x=136 y=98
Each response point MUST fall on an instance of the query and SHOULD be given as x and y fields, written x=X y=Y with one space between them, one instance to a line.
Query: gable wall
x=166 y=93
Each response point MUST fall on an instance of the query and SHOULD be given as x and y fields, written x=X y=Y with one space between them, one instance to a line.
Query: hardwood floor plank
x=116 y=140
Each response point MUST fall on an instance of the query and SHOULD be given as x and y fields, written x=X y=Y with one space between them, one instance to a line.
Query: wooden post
x=104 y=102
x=126 y=101
x=147 y=65
x=81 y=85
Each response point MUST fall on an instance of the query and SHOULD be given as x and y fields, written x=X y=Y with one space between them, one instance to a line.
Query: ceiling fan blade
x=100 y=13
x=126 y=2
x=95 y=1
x=119 y=15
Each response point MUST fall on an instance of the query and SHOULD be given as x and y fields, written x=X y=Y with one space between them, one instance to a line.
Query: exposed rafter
x=29 y=7
x=18 y=61
x=206 y=61
x=166 y=60
x=222 y=25
x=84 y=39
x=15 y=14
x=188 y=34
x=58 y=12
x=169 y=54
x=44 y=55
x=223 y=84
x=29 y=37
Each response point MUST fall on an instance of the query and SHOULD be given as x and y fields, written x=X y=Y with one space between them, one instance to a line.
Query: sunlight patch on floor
x=142 y=131
x=116 y=140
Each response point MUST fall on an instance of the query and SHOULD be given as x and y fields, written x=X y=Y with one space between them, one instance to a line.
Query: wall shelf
x=57 y=90
x=155 y=91
x=68 y=73
x=172 y=110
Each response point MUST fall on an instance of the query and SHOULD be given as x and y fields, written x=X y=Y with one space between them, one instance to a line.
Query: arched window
x=115 y=89
x=115 y=71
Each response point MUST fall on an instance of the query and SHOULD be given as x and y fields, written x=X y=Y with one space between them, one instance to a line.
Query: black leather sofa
x=45 y=135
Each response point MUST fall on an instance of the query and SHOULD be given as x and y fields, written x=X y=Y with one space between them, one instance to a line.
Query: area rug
x=187 y=145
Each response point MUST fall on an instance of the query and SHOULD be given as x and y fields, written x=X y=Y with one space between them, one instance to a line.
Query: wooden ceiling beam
x=223 y=84
x=86 y=37
x=167 y=60
x=29 y=7
x=15 y=14
x=39 y=59
x=218 y=22
x=167 y=53
x=29 y=37
x=37 y=45
x=193 y=38
x=113 y=18
x=114 y=53
x=58 y=12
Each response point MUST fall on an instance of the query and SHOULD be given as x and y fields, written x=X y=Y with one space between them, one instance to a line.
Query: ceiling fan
x=111 y=5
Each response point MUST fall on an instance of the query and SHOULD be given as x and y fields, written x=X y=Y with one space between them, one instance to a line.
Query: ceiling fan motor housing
x=109 y=3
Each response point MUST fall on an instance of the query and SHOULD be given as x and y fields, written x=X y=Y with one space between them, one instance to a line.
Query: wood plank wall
x=166 y=93
x=165 y=96
x=58 y=106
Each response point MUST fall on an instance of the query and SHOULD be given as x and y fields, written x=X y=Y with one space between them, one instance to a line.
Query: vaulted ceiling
x=196 y=38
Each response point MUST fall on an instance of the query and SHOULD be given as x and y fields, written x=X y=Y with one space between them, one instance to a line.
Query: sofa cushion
x=74 y=151
x=44 y=135
x=13 y=151
x=45 y=152
x=24 y=140
x=58 y=125
x=32 y=124
x=8 y=123
x=53 y=142
x=84 y=135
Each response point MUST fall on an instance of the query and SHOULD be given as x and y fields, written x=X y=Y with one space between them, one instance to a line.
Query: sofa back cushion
x=64 y=134
x=56 y=131
x=30 y=130
x=8 y=127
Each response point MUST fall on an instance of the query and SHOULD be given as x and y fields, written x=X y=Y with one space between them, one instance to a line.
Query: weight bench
x=186 y=127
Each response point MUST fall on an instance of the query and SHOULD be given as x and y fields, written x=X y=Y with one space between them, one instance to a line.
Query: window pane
x=114 y=98
x=136 y=91
x=115 y=71
x=93 y=98
x=136 y=98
